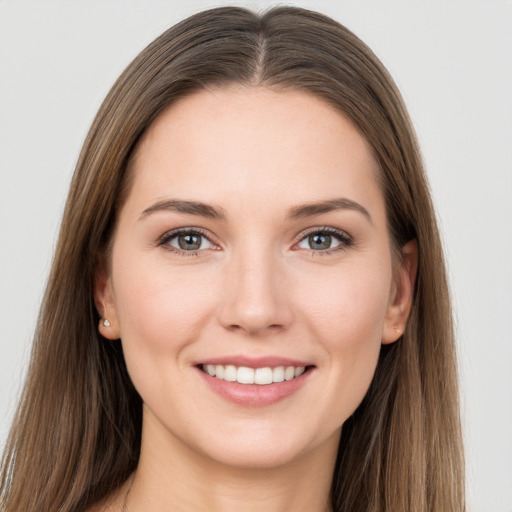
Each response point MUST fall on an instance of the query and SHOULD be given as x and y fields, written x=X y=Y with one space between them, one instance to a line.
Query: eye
x=187 y=241
x=325 y=240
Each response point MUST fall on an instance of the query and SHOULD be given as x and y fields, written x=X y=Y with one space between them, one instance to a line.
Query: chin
x=267 y=449
x=255 y=457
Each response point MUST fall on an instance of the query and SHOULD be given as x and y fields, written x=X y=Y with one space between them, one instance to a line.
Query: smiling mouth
x=261 y=376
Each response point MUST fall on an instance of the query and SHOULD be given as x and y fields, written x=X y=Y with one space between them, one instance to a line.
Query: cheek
x=346 y=316
x=159 y=310
x=348 y=305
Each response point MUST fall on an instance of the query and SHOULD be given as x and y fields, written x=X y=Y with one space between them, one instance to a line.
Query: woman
x=248 y=305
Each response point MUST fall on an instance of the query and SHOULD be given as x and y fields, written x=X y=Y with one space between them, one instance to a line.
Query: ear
x=104 y=302
x=402 y=293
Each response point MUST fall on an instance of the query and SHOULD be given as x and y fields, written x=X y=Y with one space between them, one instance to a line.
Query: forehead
x=255 y=144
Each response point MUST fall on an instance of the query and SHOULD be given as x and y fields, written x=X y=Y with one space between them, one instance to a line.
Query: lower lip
x=255 y=395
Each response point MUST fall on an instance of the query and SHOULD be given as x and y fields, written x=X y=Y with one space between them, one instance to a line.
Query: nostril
x=255 y=328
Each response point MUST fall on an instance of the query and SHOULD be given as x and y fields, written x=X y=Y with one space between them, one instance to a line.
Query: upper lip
x=253 y=362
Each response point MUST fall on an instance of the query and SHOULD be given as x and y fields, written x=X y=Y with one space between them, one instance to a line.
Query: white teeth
x=289 y=373
x=245 y=375
x=278 y=374
x=230 y=373
x=219 y=371
x=261 y=376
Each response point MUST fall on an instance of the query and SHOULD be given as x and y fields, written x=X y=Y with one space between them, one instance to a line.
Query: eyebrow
x=320 y=207
x=188 y=207
x=217 y=213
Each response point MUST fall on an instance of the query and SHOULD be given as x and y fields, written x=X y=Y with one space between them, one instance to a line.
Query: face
x=251 y=281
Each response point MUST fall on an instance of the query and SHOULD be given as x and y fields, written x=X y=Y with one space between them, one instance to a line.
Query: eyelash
x=344 y=239
x=167 y=237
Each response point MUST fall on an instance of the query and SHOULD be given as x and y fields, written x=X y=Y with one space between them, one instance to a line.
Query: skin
x=256 y=288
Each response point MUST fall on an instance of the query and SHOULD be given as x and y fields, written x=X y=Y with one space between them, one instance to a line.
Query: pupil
x=189 y=242
x=319 y=241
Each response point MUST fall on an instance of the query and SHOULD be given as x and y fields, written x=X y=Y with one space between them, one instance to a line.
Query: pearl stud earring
x=105 y=322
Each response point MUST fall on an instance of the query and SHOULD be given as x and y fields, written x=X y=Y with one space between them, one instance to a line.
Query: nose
x=255 y=298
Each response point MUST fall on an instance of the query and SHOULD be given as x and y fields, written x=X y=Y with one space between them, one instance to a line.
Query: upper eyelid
x=298 y=238
x=345 y=240
x=168 y=235
x=178 y=231
x=164 y=241
x=324 y=229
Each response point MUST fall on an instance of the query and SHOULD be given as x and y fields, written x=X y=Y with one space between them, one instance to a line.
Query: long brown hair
x=76 y=434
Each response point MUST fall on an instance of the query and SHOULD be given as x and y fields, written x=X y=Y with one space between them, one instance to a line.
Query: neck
x=170 y=475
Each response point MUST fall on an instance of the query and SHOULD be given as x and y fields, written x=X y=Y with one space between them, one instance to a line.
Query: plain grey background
x=451 y=59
